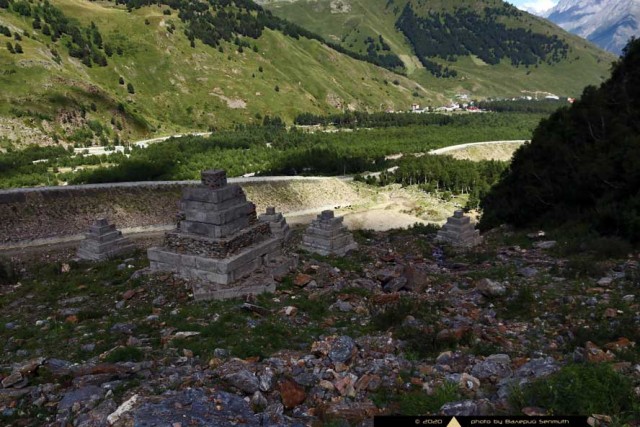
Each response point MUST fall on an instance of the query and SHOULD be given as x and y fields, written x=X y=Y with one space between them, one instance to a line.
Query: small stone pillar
x=277 y=222
x=459 y=231
x=327 y=235
x=103 y=241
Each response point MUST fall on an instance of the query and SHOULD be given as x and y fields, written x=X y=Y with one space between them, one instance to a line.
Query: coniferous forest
x=582 y=163
x=466 y=32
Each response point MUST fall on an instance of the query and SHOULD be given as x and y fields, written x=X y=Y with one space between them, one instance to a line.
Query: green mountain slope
x=160 y=78
x=462 y=39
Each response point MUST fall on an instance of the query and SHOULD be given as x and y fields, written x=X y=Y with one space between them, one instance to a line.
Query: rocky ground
x=521 y=325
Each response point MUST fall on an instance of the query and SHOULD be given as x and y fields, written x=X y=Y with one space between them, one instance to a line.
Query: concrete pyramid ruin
x=327 y=235
x=277 y=223
x=459 y=231
x=103 y=241
x=219 y=243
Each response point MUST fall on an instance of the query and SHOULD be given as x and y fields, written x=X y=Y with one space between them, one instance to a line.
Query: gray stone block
x=206 y=195
x=191 y=205
x=211 y=230
x=220 y=217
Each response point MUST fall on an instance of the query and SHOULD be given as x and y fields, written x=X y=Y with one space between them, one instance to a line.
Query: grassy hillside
x=351 y=22
x=176 y=87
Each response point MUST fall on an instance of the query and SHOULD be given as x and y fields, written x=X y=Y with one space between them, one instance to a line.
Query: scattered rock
x=301 y=280
x=342 y=349
x=466 y=408
x=545 y=245
x=243 y=380
x=494 y=367
x=489 y=288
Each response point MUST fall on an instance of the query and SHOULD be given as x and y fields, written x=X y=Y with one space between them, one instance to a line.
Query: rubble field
x=520 y=325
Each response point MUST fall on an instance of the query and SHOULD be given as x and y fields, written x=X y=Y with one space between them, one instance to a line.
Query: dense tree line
x=467 y=32
x=582 y=163
x=215 y=21
x=523 y=106
x=446 y=174
x=364 y=119
x=358 y=119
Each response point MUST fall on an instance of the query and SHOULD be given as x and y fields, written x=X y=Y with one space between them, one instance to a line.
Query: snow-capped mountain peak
x=608 y=23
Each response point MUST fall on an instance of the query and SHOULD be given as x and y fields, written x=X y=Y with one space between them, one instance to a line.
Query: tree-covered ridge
x=215 y=21
x=465 y=32
x=84 y=43
x=582 y=163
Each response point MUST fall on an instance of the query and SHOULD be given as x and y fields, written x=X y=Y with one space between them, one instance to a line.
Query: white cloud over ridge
x=536 y=6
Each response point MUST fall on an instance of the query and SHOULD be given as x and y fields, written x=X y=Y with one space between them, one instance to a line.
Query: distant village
x=464 y=104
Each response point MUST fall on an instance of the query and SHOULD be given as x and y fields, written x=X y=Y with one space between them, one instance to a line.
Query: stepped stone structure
x=277 y=223
x=327 y=235
x=459 y=231
x=103 y=241
x=219 y=244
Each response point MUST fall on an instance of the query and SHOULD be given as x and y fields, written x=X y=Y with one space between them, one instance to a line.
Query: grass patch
x=520 y=305
x=125 y=354
x=578 y=390
x=416 y=402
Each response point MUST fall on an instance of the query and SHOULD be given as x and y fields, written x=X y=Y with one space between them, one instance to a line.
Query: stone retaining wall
x=58 y=212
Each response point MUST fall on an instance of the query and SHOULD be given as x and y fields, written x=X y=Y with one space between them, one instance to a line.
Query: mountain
x=581 y=167
x=608 y=23
x=481 y=48
x=106 y=71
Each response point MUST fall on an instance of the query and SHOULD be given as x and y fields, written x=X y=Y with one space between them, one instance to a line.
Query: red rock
x=353 y=413
x=127 y=295
x=292 y=393
x=596 y=354
x=621 y=344
x=388 y=258
x=301 y=280
x=71 y=319
x=384 y=299
x=345 y=385
x=611 y=313
x=452 y=334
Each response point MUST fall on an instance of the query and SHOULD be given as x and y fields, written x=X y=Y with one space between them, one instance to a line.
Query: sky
x=534 y=5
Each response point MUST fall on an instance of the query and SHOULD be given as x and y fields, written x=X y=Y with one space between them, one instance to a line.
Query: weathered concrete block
x=207 y=195
x=220 y=217
x=459 y=231
x=328 y=236
x=103 y=241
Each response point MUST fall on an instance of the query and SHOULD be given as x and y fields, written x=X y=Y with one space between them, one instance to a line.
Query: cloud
x=538 y=6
